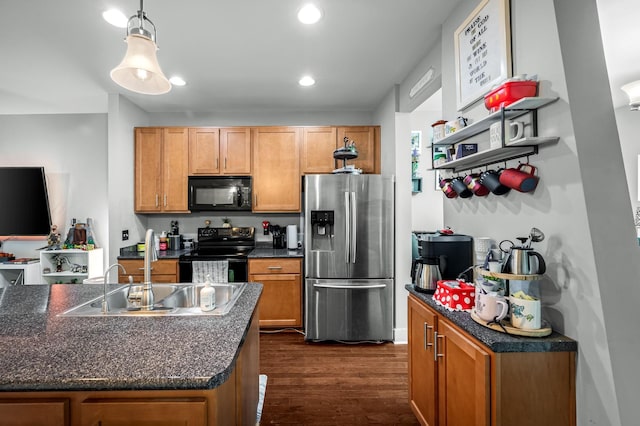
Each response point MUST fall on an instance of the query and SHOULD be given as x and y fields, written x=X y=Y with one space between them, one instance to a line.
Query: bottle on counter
x=207 y=296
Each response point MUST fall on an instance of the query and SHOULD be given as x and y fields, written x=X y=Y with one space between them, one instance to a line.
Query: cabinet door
x=124 y=413
x=148 y=169
x=463 y=379
x=164 y=271
x=281 y=300
x=367 y=144
x=175 y=169
x=235 y=150
x=423 y=387
x=34 y=412
x=204 y=151
x=276 y=169
x=318 y=144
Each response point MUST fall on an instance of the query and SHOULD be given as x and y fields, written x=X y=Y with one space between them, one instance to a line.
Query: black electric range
x=214 y=244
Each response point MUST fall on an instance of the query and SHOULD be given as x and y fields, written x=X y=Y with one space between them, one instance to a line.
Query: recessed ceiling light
x=115 y=18
x=309 y=14
x=306 y=81
x=177 y=81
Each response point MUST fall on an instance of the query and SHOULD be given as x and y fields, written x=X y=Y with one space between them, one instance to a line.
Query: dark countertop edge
x=496 y=341
x=262 y=250
x=144 y=384
x=132 y=253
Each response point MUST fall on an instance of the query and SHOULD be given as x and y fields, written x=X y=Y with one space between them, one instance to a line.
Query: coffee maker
x=451 y=253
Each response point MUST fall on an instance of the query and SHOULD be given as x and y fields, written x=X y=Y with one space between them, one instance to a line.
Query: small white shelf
x=91 y=259
x=516 y=109
x=520 y=148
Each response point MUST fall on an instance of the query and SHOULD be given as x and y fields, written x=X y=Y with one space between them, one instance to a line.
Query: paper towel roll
x=292 y=237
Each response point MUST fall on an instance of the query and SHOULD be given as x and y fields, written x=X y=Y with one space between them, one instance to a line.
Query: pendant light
x=139 y=71
x=633 y=92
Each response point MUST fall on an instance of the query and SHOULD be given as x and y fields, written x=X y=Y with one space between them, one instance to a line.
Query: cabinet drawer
x=275 y=266
x=35 y=412
x=164 y=266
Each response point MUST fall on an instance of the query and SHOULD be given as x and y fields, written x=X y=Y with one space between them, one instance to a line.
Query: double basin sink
x=170 y=299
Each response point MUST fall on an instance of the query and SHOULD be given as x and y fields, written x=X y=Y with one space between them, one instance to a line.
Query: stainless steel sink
x=171 y=300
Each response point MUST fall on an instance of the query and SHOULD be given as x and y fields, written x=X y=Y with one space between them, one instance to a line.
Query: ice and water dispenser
x=322 y=229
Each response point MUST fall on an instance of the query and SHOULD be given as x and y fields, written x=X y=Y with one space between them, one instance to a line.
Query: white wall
x=73 y=150
x=426 y=206
x=261 y=118
x=629 y=128
x=590 y=245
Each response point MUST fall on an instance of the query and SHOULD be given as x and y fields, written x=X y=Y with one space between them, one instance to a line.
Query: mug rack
x=520 y=148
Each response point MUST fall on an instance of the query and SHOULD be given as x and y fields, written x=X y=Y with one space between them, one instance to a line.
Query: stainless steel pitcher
x=427 y=274
x=526 y=261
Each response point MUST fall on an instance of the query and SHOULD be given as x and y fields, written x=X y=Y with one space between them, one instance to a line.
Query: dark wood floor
x=333 y=383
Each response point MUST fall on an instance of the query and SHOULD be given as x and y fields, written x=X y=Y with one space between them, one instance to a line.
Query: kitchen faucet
x=150 y=255
x=105 y=305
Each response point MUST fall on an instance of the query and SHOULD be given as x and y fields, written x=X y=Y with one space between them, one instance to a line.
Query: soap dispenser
x=207 y=296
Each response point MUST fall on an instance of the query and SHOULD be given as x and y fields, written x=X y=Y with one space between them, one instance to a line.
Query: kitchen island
x=199 y=370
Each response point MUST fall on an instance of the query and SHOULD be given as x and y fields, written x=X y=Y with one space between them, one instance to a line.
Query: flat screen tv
x=24 y=202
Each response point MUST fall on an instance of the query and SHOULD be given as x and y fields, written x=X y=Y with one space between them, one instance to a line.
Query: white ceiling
x=243 y=54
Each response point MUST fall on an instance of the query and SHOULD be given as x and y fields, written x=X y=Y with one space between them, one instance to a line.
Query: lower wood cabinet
x=34 y=412
x=281 y=300
x=163 y=271
x=105 y=412
x=456 y=380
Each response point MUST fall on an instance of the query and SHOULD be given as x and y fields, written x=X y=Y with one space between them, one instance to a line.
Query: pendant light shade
x=140 y=71
x=633 y=92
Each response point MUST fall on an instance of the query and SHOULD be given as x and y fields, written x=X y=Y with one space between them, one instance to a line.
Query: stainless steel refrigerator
x=349 y=257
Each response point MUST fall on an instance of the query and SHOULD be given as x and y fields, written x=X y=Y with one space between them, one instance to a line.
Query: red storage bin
x=455 y=295
x=508 y=93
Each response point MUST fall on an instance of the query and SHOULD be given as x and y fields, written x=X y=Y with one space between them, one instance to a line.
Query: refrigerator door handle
x=354 y=227
x=347 y=228
x=350 y=287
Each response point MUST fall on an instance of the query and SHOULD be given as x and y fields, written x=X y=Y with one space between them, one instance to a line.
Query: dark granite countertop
x=132 y=253
x=495 y=340
x=44 y=352
x=266 y=250
x=262 y=250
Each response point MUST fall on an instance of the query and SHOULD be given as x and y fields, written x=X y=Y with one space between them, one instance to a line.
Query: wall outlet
x=125 y=235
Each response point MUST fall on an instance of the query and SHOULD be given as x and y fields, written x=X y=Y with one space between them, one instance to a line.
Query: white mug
x=491 y=306
x=525 y=314
x=514 y=129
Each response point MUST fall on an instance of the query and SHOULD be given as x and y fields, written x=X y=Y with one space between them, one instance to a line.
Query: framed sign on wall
x=482 y=51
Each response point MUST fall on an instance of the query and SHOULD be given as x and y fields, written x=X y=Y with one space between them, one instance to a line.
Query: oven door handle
x=350 y=287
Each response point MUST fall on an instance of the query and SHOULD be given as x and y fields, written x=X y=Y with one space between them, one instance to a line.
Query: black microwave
x=219 y=193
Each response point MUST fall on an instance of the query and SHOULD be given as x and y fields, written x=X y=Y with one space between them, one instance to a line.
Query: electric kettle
x=426 y=274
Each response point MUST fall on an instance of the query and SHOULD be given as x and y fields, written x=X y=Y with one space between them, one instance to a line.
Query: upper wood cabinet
x=367 y=140
x=161 y=169
x=318 y=144
x=214 y=151
x=276 y=169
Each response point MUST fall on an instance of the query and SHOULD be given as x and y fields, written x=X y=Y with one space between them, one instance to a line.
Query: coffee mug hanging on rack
x=461 y=188
x=491 y=179
x=521 y=178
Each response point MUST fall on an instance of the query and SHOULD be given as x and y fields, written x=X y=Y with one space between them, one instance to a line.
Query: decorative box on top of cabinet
x=455 y=379
x=75 y=265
